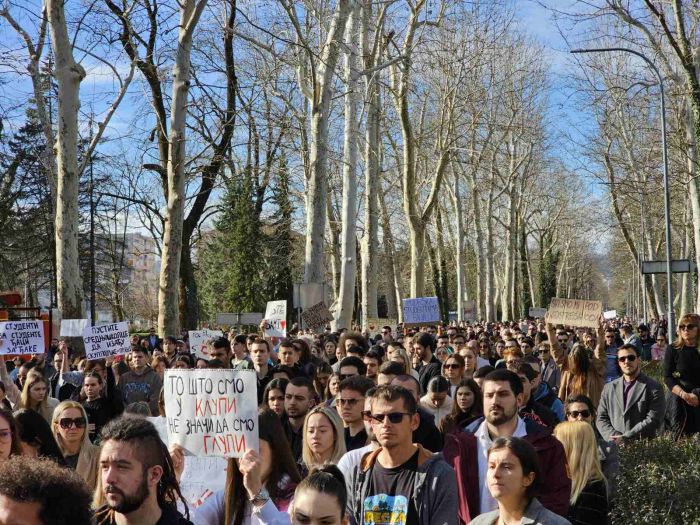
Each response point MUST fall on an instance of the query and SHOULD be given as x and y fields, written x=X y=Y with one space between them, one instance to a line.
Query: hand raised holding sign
x=251 y=466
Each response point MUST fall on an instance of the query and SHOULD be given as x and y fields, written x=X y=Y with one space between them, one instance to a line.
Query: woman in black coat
x=682 y=377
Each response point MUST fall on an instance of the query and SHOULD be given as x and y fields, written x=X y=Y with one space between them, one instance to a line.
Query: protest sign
x=317 y=316
x=106 y=340
x=574 y=312
x=276 y=317
x=212 y=412
x=421 y=310
x=73 y=327
x=201 y=478
x=610 y=314
x=374 y=324
x=198 y=341
x=22 y=337
x=469 y=311
x=537 y=312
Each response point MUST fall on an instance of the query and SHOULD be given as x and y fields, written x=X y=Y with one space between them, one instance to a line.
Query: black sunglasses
x=452 y=366
x=576 y=413
x=393 y=417
x=628 y=358
x=345 y=376
x=689 y=326
x=67 y=422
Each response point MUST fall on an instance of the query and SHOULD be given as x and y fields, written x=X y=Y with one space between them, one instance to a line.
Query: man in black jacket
x=427 y=434
x=430 y=366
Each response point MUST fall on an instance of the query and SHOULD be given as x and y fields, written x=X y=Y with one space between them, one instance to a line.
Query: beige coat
x=88 y=463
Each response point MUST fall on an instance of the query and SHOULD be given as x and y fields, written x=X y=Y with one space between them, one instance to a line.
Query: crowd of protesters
x=485 y=423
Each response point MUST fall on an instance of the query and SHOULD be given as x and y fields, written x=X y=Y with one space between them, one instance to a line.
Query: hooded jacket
x=435 y=499
x=461 y=450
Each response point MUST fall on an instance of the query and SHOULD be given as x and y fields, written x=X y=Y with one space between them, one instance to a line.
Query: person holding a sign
x=259 y=486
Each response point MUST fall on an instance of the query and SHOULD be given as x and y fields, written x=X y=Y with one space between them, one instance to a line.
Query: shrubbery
x=659 y=483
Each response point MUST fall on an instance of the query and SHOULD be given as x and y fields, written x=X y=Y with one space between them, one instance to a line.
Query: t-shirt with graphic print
x=390 y=500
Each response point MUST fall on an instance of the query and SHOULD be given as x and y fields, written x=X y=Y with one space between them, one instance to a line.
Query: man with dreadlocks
x=137 y=475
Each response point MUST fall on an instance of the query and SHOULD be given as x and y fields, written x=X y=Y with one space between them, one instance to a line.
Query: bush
x=659 y=483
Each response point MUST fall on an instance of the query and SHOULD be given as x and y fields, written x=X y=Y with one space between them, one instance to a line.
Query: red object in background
x=10 y=298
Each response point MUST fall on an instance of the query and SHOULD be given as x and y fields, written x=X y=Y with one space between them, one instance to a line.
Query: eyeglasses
x=67 y=422
x=5 y=435
x=393 y=417
x=628 y=358
x=576 y=413
x=350 y=402
x=453 y=366
x=689 y=326
x=562 y=340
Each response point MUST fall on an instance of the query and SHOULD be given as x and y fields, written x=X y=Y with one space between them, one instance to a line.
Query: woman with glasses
x=324 y=439
x=580 y=408
x=453 y=371
x=658 y=349
x=9 y=440
x=69 y=427
x=682 y=377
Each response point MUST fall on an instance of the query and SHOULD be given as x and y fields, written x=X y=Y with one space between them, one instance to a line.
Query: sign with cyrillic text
x=276 y=319
x=198 y=341
x=212 y=412
x=421 y=310
x=22 y=337
x=106 y=340
x=574 y=312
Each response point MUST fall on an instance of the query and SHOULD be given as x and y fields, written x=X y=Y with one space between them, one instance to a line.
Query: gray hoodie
x=435 y=491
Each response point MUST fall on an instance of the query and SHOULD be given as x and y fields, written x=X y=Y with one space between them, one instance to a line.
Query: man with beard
x=429 y=365
x=299 y=398
x=467 y=451
x=137 y=475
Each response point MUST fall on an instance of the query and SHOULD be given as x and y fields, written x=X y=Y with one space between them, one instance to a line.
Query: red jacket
x=460 y=452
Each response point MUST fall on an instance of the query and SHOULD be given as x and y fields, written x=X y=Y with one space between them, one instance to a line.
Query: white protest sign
x=212 y=412
x=574 y=312
x=198 y=341
x=106 y=340
x=537 y=312
x=421 y=310
x=73 y=327
x=276 y=317
x=22 y=337
x=201 y=478
x=610 y=314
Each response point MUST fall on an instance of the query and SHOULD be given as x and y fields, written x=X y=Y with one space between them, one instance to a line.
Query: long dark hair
x=33 y=429
x=322 y=368
x=579 y=365
x=283 y=464
x=15 y=449
x=458 y=418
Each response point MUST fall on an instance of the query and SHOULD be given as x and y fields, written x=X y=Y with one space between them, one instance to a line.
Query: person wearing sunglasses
x=400 y=482
x=9 y=440
x=69 y=427
x=682 y=377
x=453 y=371
x=632 y=406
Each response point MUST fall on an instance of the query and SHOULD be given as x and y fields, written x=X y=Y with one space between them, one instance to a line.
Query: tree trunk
x=69 y=75
x=480 y=259
x=490 y=288
x=393 y=286
x=348 y=239
x=168 y=301
x=459 y=250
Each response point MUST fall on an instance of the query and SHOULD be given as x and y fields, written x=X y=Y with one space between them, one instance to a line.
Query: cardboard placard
x=375 y=324
x=537 y=312
x=106 y=340
x=212 y=412
x=198 y=341
x=421 y=311
x=469 y=311
x=201 y=478
x=22 y=337
x=574 y=312
x=276 y=317
x=317 y=316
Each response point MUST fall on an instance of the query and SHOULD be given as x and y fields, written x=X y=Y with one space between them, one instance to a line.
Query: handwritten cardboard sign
x=317 y=316
x=198 y=341
x=276 y=317
x=420 y=311
x=574 y=312
x=375 y=324
x=201 y=478
x=22 y=337
x=106 y=340
x=212 y=412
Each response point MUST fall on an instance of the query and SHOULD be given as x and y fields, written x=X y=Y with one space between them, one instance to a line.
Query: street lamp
x=667 y=205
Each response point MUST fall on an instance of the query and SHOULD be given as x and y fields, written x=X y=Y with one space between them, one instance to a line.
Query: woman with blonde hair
x=682 y=377
x=324 y=438
x=69 y=427
x=589 y=500
x=35 y=396
x=400 y=356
